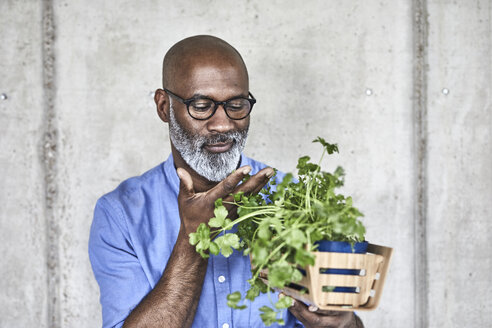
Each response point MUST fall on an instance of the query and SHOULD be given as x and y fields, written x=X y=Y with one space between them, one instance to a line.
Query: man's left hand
x=324 y=319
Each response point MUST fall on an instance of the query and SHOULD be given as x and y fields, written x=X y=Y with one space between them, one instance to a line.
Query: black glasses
x=203 y=108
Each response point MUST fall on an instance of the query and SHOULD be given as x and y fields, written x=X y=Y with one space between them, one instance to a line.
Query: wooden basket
x=314 y=288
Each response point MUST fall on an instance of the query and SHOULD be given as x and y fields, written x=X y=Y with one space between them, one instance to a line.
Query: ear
x=162 y=103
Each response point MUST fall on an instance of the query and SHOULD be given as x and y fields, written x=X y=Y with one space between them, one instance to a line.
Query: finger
x=320 y=318
x=326 y=312
x=186 y=183
x=228 y=185
x=301 y=312
x=252 y=186
x=256 y=182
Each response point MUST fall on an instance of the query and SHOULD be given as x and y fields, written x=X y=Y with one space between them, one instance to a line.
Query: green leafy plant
x=279 y=229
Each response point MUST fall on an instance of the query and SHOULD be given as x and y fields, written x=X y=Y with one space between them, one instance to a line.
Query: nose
x=220 y=122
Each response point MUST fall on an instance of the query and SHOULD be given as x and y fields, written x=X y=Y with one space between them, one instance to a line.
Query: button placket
x=222 y=289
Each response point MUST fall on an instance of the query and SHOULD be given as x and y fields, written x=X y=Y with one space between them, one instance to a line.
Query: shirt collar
x=170 y=173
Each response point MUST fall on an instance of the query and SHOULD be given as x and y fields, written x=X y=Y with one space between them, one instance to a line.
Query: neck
x=200 y=184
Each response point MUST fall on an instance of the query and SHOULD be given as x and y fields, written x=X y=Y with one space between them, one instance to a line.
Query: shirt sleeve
x=122 y=281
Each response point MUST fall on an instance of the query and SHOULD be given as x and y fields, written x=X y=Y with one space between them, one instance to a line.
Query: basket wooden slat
x=347 y=299
x=368 y=286
x=351 y=261
x=339 y=280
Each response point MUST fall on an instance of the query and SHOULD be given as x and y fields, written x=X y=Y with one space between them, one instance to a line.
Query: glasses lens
x=201 y=108
x=238 y=108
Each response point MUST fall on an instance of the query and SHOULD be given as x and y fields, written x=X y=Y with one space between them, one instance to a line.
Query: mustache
x=219 y=138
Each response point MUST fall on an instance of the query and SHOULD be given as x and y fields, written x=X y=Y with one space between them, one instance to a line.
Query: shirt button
x=225 y=325
x=221 y=279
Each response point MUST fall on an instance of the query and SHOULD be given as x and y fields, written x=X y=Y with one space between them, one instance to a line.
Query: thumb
x=186 y=183
x=301 y=312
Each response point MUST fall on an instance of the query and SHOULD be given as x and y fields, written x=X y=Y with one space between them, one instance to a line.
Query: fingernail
x=313 y=308
x=269 y=173
x=246 y=170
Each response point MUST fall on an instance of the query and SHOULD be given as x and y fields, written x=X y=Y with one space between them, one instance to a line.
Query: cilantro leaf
x=278 y=228
x=268 y=316
x=226 y=243
x=252 y=293
x=296 y=238
x=284 y=302
x=330 y=148
x=233 y=299
x=220 y=213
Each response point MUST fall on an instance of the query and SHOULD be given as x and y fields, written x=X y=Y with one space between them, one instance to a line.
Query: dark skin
x=325 y=319
x=210 y=67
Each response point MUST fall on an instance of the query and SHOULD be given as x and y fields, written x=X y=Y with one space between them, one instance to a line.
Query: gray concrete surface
x=460 y=164
x=23 y=270
x=369 y=75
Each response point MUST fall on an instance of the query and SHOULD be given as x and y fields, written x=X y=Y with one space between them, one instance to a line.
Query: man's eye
x=236 y=105
x=201 y=106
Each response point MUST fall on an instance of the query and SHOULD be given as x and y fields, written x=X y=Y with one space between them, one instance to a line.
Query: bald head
x=197 y=51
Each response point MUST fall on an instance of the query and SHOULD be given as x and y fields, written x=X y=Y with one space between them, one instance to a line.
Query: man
x=149 y=275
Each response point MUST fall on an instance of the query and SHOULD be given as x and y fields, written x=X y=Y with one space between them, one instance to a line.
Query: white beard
x=212 y=166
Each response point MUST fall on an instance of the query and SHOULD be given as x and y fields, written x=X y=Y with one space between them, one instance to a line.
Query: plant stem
x=276 y=250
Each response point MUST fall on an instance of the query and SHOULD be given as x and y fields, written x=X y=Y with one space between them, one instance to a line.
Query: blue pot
x=342 y=247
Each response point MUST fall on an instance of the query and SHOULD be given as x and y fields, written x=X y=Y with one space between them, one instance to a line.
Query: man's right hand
x=196 y=208
x=174 y=299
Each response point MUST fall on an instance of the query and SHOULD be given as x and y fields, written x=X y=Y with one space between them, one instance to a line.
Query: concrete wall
x=24 y=290
x=404 y=88
x=459 y=163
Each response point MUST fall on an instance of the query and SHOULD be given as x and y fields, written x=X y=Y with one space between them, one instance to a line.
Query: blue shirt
x=132 y=236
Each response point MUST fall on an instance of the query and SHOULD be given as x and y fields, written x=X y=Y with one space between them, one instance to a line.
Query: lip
x=219 y=147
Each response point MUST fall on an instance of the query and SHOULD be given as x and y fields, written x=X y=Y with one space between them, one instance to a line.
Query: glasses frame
x=187 y=102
